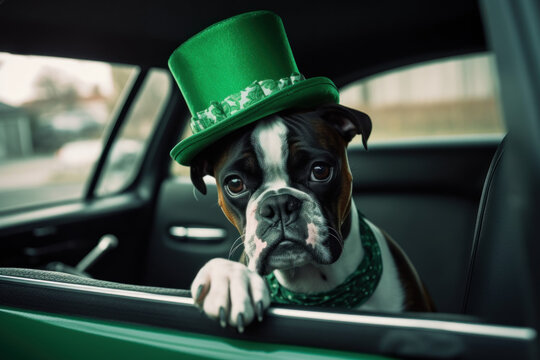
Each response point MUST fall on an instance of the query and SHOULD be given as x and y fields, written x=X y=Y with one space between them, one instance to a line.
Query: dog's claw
x=259 y=310
x=198 y=294
x=222 y=317
x=240 y=323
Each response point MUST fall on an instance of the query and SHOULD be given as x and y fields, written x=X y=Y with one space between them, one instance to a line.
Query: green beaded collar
x=353 y=292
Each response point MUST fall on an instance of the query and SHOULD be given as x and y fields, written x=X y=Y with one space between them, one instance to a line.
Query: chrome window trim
x=454 y=327
x=512 y=332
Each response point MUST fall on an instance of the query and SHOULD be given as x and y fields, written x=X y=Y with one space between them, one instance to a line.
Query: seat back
x=498 y=283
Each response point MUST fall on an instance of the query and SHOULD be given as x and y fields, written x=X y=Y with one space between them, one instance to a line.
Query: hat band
x=258 y=90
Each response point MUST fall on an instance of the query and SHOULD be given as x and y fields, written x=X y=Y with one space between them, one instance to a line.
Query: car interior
x=463 y=209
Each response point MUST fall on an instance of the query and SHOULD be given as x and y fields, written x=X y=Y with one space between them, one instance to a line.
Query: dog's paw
x=229 y=292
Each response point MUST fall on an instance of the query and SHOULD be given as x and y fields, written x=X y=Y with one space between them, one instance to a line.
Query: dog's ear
x=348 y=122
x=199 y=168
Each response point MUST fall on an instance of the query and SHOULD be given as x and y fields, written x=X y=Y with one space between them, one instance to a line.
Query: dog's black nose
x=284 y=207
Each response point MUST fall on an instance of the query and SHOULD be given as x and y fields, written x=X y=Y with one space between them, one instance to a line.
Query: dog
x=285 y=184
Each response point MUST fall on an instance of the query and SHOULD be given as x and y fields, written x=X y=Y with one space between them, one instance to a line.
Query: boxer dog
x=285 y=184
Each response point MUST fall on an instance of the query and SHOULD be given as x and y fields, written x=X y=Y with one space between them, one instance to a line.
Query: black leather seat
x=498 y=283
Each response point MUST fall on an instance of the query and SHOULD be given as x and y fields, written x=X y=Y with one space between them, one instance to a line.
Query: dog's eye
x=320 y=172
x=235 y=185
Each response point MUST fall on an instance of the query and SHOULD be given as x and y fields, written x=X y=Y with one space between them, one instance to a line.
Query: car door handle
x=197 y=233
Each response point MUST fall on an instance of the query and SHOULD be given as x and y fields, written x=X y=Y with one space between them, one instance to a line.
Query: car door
x=104 y=319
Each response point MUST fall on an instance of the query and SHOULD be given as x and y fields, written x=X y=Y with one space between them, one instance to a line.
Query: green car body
x=35 y=335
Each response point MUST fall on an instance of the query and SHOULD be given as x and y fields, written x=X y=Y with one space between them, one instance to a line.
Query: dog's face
x=285 y=183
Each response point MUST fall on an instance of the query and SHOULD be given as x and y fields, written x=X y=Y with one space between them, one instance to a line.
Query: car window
x=54 y=116
x=445 y=98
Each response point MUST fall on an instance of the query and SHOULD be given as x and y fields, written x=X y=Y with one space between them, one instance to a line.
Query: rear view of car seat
x=497 y=283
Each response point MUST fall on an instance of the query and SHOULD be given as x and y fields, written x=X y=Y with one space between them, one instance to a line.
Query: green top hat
x=236 y=72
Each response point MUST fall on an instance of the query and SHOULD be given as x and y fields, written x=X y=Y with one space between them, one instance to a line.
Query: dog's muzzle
x=282 y=225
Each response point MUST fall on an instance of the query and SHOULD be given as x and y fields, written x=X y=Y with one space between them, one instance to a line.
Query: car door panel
x=174 y=261
x=66 y=233
x=121 y=318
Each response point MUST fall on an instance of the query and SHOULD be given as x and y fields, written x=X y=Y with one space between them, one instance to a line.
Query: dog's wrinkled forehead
x=269 y=140
x=266 y=147
x=260 y=150
x=269 y=143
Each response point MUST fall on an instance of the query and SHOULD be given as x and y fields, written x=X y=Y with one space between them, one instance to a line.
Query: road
x=37 y=180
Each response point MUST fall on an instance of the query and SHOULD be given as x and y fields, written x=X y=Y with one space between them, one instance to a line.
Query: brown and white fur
x=285 y=183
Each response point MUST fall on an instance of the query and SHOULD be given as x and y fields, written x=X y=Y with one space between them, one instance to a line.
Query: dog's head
x=285 y=183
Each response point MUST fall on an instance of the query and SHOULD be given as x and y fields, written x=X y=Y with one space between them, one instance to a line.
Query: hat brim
x=304 y=94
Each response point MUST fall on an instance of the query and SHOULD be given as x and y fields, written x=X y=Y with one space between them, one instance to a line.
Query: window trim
x=97 y=172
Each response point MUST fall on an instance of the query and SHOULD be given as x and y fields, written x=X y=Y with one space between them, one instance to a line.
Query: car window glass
x=129 y=147
x=450 y=97
x=54 y=113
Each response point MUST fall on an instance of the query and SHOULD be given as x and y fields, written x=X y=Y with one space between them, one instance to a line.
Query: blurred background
x=54 y=117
